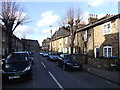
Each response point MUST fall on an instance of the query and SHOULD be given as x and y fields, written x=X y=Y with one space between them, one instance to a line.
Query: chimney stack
x=92 y=18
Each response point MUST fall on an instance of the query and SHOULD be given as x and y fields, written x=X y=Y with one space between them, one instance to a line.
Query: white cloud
x=48 y=13
x=86 y=16
x=47 y=31
x=47 y=19
x=40 y=39
x=95 y=3
x=101 y=15
x=23 y=30
x=60 y=0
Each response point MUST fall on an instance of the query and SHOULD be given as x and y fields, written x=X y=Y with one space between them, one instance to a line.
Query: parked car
x=45 y=54
x=41 y=52
x=67 y=61
x=52 y=56
x=17 y=66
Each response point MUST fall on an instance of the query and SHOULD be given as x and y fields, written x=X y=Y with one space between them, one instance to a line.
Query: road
x=47 y=74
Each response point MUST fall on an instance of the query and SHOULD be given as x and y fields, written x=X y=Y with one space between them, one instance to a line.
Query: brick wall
x=90 y=46
x=102 y=63
x=80 y=36
x=0 y=42
x=101 y=40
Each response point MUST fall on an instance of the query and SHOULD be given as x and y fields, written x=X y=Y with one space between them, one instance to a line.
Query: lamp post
x=51 y=37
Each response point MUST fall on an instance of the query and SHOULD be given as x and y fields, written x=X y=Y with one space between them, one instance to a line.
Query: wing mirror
x=2 y=61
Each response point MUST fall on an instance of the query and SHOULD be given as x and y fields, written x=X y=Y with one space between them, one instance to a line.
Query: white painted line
x=78 y=81
x=33 y=83
x=55 y=80
x=43 y=64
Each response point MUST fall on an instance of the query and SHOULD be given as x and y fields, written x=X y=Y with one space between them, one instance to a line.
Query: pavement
x=106 y=74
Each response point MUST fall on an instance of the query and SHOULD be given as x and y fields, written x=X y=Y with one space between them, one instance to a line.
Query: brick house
x=0 y=41
x=30 y=45
x=17 y=44
x=60 y=41
x=46 y=44
x=101 y=37
x=4 y=43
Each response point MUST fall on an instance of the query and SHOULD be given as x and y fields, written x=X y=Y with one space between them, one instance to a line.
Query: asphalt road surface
x=47 y=74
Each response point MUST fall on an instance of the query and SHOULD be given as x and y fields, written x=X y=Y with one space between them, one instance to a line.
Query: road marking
x=43 y=64
x=78 y=81
x=34 y=77
x=55 y=80
x=33 y=83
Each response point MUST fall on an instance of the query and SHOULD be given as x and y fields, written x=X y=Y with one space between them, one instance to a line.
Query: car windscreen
x=53 y=54
x=45 y=53
x=17 y=57
x=68 y=57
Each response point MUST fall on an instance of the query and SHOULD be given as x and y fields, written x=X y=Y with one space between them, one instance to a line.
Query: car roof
x=65 y=54
x=22 y=52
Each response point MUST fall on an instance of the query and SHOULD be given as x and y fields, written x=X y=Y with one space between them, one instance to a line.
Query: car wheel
x=30 y=76
x=80 y=68
x=64 y=67
x=57 y=64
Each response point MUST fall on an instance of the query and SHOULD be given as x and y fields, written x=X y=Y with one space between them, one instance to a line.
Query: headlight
x=7 y=66
x=51 y=57
x=26 y=69
x=3 y=72
x=69 y=64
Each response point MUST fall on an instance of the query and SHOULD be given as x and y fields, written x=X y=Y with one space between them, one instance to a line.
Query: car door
x=61 y=60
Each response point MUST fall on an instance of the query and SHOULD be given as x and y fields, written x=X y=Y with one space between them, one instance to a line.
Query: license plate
x=76 y=66
x=14 y=77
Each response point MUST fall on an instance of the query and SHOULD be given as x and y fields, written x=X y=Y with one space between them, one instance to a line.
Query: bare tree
x=12 y=16
x=73 y=19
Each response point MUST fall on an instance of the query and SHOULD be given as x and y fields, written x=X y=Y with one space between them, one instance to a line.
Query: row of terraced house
x=98 y=39
x=17 y=44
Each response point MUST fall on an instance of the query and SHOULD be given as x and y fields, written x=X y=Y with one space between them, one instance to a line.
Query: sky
x=44 y=14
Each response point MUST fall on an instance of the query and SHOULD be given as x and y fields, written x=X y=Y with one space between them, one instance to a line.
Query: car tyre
x=80 y=68
x=30 y=76
x=57 y=63
x=64 y=67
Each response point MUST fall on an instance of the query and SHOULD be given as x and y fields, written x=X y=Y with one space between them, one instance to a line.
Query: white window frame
x=85 y=35
x=107 y=47
x=3 y=39
x=66 y=40
x=85 y=50
x=95 y=53
x=105 y=29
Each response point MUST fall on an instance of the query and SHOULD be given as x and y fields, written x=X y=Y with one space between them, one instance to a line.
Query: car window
x=17 y=57
x=68 y=57
x=62 y=56
x=54 y=54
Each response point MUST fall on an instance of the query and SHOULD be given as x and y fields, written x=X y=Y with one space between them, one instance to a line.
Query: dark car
x=67 y=61
x=53 y=56
x=31 y=55
x=17 y=66
x=41 y=53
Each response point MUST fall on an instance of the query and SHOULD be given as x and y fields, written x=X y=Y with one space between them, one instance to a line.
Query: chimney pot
x=91 y=15
x=96 y=16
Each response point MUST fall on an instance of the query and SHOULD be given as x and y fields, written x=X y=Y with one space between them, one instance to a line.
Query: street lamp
x=51 y=37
